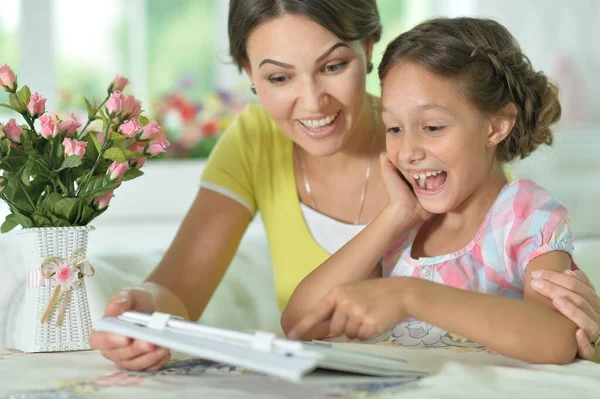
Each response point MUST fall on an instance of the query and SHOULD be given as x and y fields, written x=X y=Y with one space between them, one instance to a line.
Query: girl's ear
x=502 y=123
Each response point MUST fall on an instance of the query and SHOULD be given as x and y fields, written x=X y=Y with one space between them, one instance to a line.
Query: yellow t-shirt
x=253 y=164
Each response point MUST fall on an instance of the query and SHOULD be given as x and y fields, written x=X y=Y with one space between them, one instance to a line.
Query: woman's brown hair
x=347 y=19
x=491 y=70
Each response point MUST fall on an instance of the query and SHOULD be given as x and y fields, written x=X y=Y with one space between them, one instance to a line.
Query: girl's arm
x=530 y=329
x=357 y=260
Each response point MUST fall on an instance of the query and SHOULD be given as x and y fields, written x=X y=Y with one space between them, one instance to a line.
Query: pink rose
x=132 y=108
x=13 y=131
x=151 y=130
x=119 y=83
x=49 y=128
x=70 y=126
x=137 y=163
x=37 y=105
x=66 y=275
x=7 y=78
x=158 y=145
x=102 y=201
x=74 y=147
x=130 y=128
x=117 y=170
x=115 y=102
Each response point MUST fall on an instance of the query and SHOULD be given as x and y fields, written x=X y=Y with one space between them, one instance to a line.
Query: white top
x=329 y=233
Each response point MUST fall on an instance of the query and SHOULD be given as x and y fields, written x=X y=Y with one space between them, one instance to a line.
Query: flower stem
x=91 y=117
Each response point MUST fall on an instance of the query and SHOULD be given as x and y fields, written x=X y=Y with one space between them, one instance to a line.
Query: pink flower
x=151 y=130
x=37 y=105
x=2 y=132
x=119 y=83
x=115 y=102
x=158 y=146
x=66 y=275
x=117 y=170
x=74 y=147
x=130 y=128
x=132 y=108
x=137 y=163
x=49 y=128
x=70 y=126
x=102 y=201
x=7 y=78
x=13 y=131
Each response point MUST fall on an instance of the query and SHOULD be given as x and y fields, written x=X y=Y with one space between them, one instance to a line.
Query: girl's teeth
x=420 y=178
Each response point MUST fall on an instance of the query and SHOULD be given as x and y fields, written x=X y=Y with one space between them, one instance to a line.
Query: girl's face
x=310 y=82
x=435 y=137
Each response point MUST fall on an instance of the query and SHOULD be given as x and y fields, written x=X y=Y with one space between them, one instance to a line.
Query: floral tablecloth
x=456 y=373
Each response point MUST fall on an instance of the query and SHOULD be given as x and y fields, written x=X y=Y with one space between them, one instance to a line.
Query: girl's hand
x=574 y=296
x=128 y=353
x=360 y=309
x=400 y=192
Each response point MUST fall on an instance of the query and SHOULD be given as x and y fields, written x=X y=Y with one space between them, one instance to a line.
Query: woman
x=306 y=158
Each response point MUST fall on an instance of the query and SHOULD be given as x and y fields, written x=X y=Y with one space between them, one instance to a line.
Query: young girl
x=459 y=100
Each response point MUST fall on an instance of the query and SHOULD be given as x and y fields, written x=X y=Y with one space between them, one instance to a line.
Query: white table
x=456 y=373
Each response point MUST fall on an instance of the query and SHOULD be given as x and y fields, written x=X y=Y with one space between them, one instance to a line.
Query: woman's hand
x=361 y=309
x=128 y=353
x=575 y=297
x=400 y=191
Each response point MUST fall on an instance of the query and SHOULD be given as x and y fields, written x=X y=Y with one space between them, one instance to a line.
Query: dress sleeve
x=542 y=228
x=230 y=167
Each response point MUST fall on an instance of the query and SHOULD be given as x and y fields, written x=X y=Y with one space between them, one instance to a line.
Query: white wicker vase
x=74 y=328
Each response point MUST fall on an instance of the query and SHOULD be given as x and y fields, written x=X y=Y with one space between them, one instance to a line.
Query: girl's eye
x=433 y=129
x=394 y=130
x=334 y=67
x=277 y=79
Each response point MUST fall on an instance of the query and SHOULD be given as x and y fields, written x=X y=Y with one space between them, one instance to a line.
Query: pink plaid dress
x=524 y=222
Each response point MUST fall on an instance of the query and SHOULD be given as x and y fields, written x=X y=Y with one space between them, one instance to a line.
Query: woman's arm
x=530 y=330
x=573 y=294
x=189 y=273
x=357 y=260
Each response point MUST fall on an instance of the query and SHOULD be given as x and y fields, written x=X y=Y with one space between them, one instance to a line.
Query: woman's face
x=311 y=82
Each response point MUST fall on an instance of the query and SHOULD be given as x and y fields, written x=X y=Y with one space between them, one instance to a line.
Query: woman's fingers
x=580 y=274
x=136 y=349
x=105 y=340
x=585 y=350
x=554 y=285
x=154 y=359
x=580 y=315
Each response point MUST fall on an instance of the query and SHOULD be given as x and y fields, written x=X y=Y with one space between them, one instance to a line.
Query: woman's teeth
x=423 y=176
x=317 y=123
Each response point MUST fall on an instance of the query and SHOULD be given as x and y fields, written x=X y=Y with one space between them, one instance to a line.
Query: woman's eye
x=433 y=129
x=335 y=67
x=394 y=130
x=277 y=79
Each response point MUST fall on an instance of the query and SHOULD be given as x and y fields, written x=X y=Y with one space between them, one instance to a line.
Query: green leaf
x=97 y=187
x=51 y=200
x=94 y=139
x=131 y=174
x=143 y=120
x=66 y=208
x=90 y=108
x=87 y=215
x=115 y=154
x=58 y=222
x=7 y=106
x=14 y=103
x=9 y=223
x=72 y=161
x=23 y=220
x=41 y=221
x=24 y=95
x=130 y=154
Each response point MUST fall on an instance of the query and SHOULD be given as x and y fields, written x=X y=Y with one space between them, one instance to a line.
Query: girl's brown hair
x=347 y=19
x=491 y=70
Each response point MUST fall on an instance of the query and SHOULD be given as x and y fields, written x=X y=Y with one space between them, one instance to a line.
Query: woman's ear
x=502 y=124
